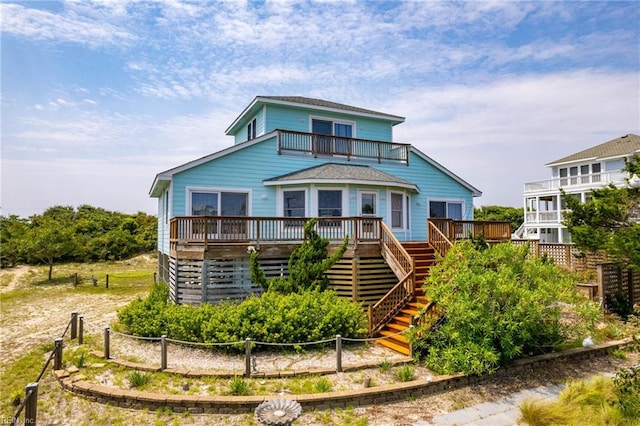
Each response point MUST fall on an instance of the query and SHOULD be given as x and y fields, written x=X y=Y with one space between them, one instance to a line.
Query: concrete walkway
x=504 y=412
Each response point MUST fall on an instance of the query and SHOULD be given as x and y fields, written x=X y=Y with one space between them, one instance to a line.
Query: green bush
x=271 y=318
x=146 y=317
x=499 y=305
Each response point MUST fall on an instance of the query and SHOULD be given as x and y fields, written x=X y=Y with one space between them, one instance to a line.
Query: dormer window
x=251 y=130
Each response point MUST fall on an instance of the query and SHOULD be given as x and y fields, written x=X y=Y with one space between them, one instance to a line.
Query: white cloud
x=38 y=24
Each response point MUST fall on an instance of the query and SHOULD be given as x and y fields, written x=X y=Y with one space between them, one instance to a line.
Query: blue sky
x=99 y=97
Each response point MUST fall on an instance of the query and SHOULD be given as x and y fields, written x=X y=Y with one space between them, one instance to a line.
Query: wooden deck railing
x=209 y=230
x=465 y=229
x=438 y=239
x=403 y=265
x=317 y=144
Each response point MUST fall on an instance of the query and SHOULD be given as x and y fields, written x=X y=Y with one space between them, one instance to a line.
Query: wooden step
x=394 y=346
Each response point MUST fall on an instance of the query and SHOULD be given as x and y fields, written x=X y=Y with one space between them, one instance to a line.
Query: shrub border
x=76 y=383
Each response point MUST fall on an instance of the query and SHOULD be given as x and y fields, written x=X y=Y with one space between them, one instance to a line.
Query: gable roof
x=341 y=173
x=619 y=147
x=318 y=104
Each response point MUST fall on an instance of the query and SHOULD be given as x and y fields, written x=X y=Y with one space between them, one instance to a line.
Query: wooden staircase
x=424 y=255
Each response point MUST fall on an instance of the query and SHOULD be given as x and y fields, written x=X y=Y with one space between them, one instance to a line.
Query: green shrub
x=239 y=387
x=146 y=317
x=272 y=318
x=499 y=305
x=137 y=379
x=307 y=264
x=322 y=385
x=405 y=373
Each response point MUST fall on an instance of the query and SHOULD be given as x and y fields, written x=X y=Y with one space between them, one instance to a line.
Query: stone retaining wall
x=220 y=404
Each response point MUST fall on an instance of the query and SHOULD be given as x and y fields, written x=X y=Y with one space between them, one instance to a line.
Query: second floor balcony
x=580 y=181
x=340 y=146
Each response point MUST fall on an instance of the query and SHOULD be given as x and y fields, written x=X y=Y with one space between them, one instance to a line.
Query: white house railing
x=591 y=180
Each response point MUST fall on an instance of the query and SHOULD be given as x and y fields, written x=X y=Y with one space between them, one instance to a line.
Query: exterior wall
x=233 y=172
x=298 y=119
x=164 y=214
x=242 y=136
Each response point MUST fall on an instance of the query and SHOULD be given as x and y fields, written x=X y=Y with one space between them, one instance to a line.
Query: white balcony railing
x=592 y=180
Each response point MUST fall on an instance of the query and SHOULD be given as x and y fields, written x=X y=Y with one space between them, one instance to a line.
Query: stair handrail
x=390 y=304
x=403 y=266
x=394 y=253
x=438 y=240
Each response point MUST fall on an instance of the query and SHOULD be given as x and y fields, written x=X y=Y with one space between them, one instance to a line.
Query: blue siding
x=247 y=168
x=297 y=119
x=242 y=136
x=232 y=172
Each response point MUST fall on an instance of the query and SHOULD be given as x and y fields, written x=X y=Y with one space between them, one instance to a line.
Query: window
x=332 y=145
x=445 y=210
x=329 y=203
x=219 y=203
x=595 y=170
x=397 y=210
x=294 y=203
x=204 y=203
x=368 y=204
x=573 y=173
x=563 y=177
x=166 y=207
x=251 y=130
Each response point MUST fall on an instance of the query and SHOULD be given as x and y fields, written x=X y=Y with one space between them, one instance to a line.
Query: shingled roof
x=336 y=173
x=619 y=147
x=326 y=104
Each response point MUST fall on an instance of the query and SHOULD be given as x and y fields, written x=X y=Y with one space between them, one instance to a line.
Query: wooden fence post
x=74 y=325
x=107 y=281
x=247 y=357
x=338 y=353
x=57 y=356
x=81 y=330
x=106 y=343
x=601 y=296
x=163 y=352
x=75 y=279
x=31 y=407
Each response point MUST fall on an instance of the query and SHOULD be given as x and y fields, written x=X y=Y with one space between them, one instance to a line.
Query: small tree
x=49 y=241
x=307 y=264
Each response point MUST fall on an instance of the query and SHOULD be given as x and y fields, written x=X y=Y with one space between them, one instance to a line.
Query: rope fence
x=115 y=344
x=79 y=329
x=30 y=402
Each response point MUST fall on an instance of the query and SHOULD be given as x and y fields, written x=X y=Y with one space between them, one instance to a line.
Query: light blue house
x=295 y=158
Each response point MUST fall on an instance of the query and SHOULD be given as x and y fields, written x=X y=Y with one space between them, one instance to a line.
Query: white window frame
x=406 y=210
x=315 y=203
x=447 y=201
x=376 y=212
x=333 y=121
x=280 y=199
x=252 y=129
x=208 y=189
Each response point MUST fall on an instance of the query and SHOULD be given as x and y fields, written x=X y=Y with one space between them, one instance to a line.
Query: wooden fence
x=618 y=287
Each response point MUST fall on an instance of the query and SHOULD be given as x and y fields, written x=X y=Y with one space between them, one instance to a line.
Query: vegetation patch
x=600 y=401
x=500 y=304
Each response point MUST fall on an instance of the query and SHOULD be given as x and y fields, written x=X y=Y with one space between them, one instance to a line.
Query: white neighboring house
x=577 y=174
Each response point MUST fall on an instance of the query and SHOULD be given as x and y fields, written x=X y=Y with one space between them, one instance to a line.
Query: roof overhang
x=410 y=186
x=259 y=101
